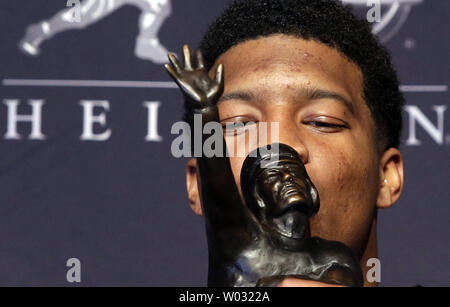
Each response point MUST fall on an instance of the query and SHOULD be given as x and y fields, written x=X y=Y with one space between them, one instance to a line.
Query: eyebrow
x=310 y=93
x=316 y=93
x=239 y=95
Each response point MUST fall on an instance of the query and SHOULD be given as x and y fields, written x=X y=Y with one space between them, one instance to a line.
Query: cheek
x=238 y=149
x=345 y=181
x=236 y=166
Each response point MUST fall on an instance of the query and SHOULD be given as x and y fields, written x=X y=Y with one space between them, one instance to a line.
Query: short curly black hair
x=328 y=22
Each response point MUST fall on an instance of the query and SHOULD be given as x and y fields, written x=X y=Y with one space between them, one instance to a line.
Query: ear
x=391 y=178
x=192 y=188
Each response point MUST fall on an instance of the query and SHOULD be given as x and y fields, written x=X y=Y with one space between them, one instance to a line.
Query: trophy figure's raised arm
x=264 y=240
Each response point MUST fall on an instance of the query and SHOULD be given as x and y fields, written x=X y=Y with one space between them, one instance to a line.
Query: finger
x=187 y=57
x=219 y=74
x=171 y=71
x=200 y=60
x=173 y=59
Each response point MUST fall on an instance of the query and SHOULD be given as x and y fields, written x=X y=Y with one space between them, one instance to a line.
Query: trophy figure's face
x=286 y=198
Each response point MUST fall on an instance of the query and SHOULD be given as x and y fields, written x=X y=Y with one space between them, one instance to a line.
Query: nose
x=289 y=130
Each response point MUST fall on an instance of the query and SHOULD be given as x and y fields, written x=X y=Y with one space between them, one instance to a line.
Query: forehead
x=282 y=59
x=282 y=165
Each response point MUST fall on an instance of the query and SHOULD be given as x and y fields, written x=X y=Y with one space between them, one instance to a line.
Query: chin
x=294 y=201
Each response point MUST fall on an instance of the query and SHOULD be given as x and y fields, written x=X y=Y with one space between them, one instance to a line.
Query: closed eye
x=322 y=124
x=325 y=126
x=238 y=125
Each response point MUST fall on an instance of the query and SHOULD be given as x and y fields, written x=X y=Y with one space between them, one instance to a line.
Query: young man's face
x=316 y=96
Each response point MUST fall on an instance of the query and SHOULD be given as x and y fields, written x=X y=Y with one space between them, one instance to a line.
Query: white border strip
x=424 y=88
x=88 y=83
x=366 y=3
x=163 y=84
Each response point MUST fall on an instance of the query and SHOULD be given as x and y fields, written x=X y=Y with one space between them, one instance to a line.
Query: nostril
x=287 y=177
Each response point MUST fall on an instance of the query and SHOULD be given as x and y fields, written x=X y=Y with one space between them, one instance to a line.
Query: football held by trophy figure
x=265 y=239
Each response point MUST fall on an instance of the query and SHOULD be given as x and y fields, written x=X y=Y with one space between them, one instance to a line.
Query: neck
x=370 y=251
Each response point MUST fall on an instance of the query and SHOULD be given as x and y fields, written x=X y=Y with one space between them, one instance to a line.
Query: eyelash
x=238 y=130
x=317 y=124
x=326 y=125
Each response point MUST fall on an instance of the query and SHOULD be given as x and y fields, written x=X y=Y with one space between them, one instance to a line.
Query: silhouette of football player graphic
x=148 y=47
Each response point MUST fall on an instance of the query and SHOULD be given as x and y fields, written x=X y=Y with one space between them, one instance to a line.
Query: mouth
x=293 y=199
x=289 y=190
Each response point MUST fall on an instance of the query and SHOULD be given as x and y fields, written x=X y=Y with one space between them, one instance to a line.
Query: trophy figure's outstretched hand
x=193 y=79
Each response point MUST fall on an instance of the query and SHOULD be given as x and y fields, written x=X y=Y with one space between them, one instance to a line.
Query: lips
x=300 y=205
x=290 y=189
